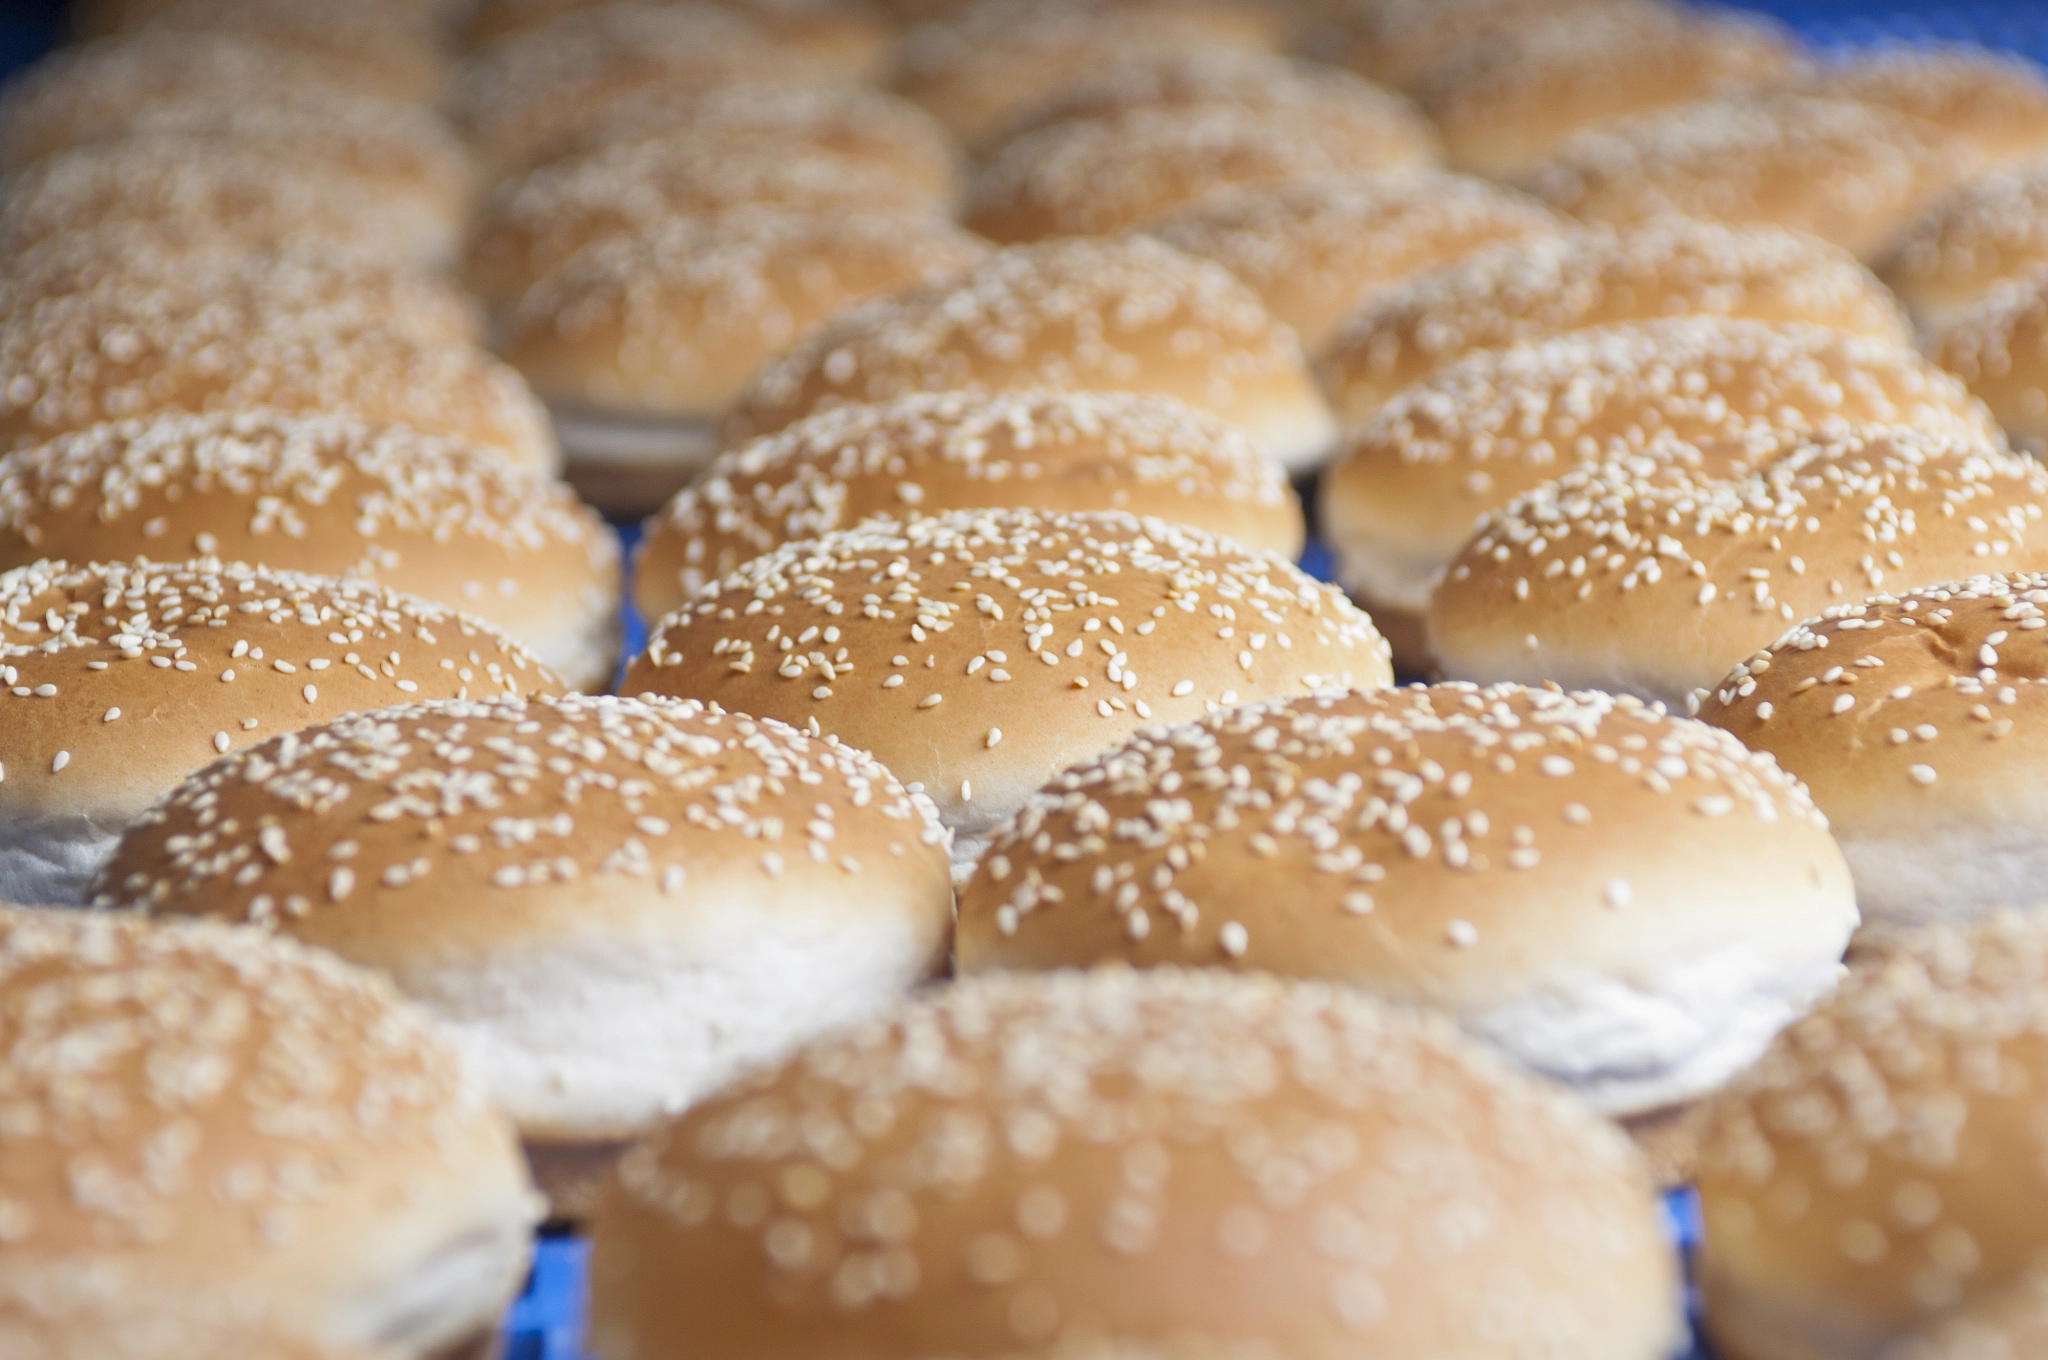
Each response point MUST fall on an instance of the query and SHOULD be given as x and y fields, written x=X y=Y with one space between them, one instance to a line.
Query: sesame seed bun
x=614 y=915
x=640 y=343
x=844 y=37
x=258 y=195
x=1102 y=176
x=1055 y=635
x=1859 y=1182
x=2005 y=1326
x=1628 y=903
x=979 y=68
x=1716 y=394
x=1988 y=232
x=1255 y=82
x=324 y=494
x=1505 y=103
x=1996 y=102
x=864 y=124
x=1398 y=42
x=531 y=224
x=242 y=1122
x=938 y=451
x=1082 y=315
x=1538 y=289
x=1850 y=173
x=1134 y=1164
x=117 y=687
x=389 y=48
x=1700 y=574
x=123 y=351
x=1908 y=715
x=511 y=97
x=1315 y=253
x=89 y=1311
x=1999 y=346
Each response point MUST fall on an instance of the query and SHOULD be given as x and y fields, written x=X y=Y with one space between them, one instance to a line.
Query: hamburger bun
x=1133 y=1164
x=1316 y=253
x=118 y=686
x=845 y=37
x=933 y=452
x=1999 y=346
x=1399 y=42
x=326 y=495
x=640 y=344
x=252 y=1128
x=1627 y=903
x=389 y=48
x=1055 y=635
x=612 y=915
x=1990 y=231
x=1654 y=583
x=1129 y=316
x=1996 y=102
x=1927 y=773
x=1534 y=290
x=81 y=1311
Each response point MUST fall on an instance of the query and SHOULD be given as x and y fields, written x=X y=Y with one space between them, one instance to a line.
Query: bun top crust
x=1054 y=635
x=1857 y=1182
x=1999 y=346
x=1996 y=102
x=122 y=351
x=1172 y=1159
x=391 y=839
x=1460 y=848
x=939 y=451
x=1315 y=253
x=1989 y=231
x=392 y=49
x=847 y=37
x=1852 y=174
x=1103 y=176
x=1504 y=102
x=1942 y=684
x=1651 y=582
x=676 y=320
x=1081 y=315
x=1542 y=288
x=217 y=1114
x=118 y=684
x=1398 y=42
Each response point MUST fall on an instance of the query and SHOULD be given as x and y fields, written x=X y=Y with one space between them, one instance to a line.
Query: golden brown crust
x=1129 y=1164
x=1054 y=635
x=1655 y=584
x=1850 y=173
x=1535 y=291
x=939 y=451
x=1316 y=253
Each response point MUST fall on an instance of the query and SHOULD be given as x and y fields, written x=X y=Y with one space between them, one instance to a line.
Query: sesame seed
x=1922 y=774
x=931 y=701
x=1842 y=704
x=1461 y=933
x=995 y=735
x=1618 y=894
x=221 y=741
x=61 y=759
x=110 y=715
x=1234 y=938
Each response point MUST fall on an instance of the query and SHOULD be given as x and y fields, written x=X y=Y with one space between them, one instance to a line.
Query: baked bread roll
x=1998 y=345
x=1996 y=102
x=1988 y=232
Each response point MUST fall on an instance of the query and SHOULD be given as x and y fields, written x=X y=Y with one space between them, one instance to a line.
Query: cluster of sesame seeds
x=1974 y=651
x=940 y=451
x=512 y=795
x=1887 y=1129
x=1316 y=252
x=1997 y=101
x=1075 y=314
x=682 y=315
x=1069 y=1146
x=1846 y=172
x=1999 y=346
x=206 y=1082
x=962 y=604
x=123 y=351
x=1537 y=289
x=1827 y=521
x=1098 y=177
x=1380 y=795
x=1992 y=229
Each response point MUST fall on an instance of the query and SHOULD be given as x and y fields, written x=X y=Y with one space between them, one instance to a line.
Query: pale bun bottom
x=50 y=861
x=1740 y=1325
x=1924 y=876
x=628 y=466
x=585 y=653
x=1395 y=591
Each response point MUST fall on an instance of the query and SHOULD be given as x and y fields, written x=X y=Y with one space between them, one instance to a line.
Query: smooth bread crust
x=1654 y=583
x=1053 y=635
x=1850 y=173
x=1538 y=289
x=1315 y=253
x=228 y=1118
x=1626 y=902
x=674 y=322
x=1082 y=315
x=1134 y=1164
x=327 y=495
x=465 y=846
x=939 y=451
x=1856 y=1184
x=1911 y=717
